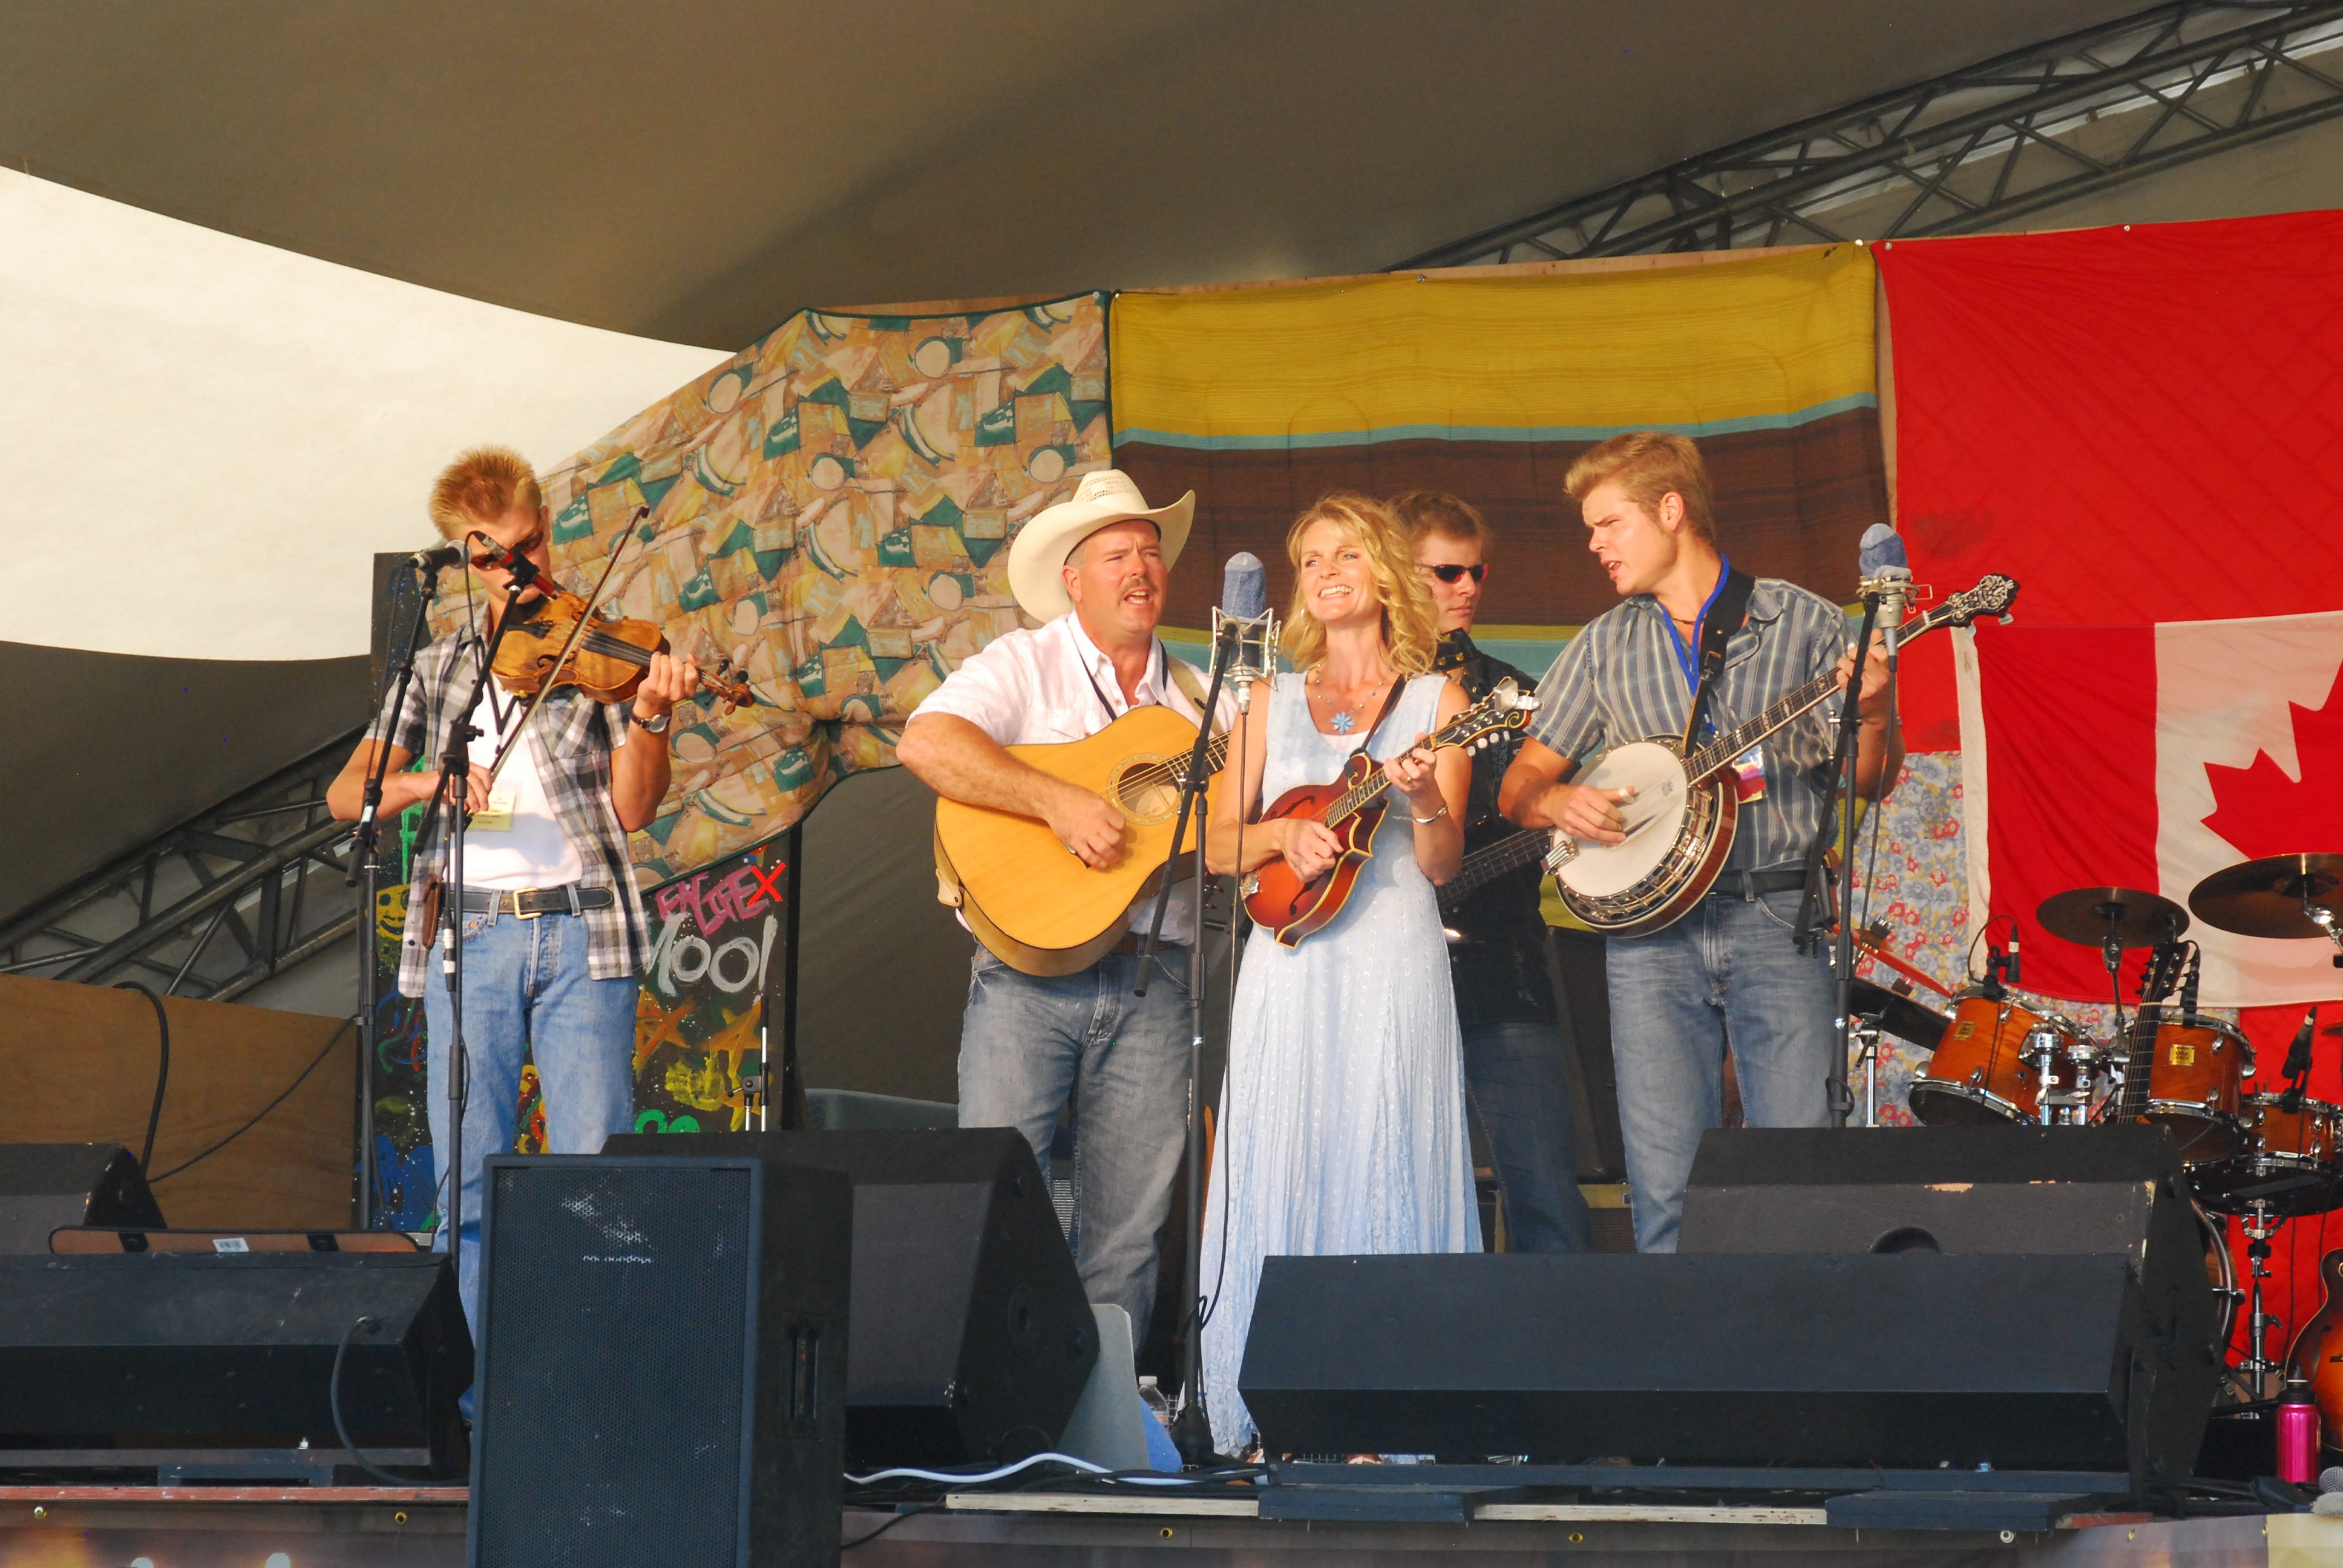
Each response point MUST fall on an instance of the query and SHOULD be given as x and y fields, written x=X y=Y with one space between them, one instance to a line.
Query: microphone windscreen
x=2331 y=1478
x=1882 y=546
x=1244 y=587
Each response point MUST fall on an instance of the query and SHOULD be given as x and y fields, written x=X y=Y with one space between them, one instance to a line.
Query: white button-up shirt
x=1055 y=685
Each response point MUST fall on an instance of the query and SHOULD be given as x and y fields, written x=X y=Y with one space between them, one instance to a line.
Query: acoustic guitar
x=2316 y=1353
x=1680 y=821
x=1033 y=903
x=1353 y=806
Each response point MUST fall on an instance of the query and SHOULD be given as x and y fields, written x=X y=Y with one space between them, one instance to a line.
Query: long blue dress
x=1342 y=1126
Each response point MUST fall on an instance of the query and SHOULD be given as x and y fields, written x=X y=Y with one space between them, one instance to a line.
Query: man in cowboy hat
x=1095 y=570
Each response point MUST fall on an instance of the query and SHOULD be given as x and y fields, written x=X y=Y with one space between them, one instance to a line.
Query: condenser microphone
x=437 y=556
x=1887 y=571
x=1244 y=619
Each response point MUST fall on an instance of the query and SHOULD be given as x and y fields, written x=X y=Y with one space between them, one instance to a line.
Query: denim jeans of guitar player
x=1727 y=975
x=526 y=991
x=1028 y=1041
x=1519 y=1089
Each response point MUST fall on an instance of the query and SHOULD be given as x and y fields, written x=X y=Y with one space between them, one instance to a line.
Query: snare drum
x=2193 y=1084
x=1986 y=1070
x=2289 y=1163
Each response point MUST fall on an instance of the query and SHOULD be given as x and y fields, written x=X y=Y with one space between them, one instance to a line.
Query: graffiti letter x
x=769 y=880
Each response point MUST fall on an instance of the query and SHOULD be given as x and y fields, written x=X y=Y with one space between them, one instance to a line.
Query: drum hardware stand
x=1864 y=1034
x=2260 y=1226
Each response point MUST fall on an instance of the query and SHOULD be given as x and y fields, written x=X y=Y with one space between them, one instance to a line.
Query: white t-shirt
x=534 y=851
x=1055 y=685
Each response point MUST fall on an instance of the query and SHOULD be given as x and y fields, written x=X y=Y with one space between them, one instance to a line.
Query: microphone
x=1244 y=619
x=1886 y=572
x=2298 y=1062
x=437 y=556
x=2011 y=973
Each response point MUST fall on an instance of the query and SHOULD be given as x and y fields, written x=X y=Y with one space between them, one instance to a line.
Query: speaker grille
x=615 y=1369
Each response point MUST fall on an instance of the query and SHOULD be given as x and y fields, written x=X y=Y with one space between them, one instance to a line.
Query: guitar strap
x=1725 y=618
x=1192 y=686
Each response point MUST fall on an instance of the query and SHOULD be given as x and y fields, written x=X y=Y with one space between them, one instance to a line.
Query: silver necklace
x=1343 y=720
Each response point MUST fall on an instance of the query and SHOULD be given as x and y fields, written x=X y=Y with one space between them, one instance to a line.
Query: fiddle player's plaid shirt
x=577 y=736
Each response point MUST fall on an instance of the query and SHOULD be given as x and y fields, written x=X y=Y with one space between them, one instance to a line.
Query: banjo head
x=1655 y=819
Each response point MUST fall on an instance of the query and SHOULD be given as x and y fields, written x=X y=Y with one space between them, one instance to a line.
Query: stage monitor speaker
x=661 y=1342
x=1914 y=1360
x=972 y=1338
x=44 y=1186
x=2116 y=1192
x=184 y=1351
x=108 y=1240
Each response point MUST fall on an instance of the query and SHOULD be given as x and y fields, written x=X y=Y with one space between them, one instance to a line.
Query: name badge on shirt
x=498 y=817
x=1749 y=774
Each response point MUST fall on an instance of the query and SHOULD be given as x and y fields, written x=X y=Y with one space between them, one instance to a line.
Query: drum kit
x=2262 y=1153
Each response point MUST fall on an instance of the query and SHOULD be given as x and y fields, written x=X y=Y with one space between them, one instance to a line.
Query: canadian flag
x=2151 y=756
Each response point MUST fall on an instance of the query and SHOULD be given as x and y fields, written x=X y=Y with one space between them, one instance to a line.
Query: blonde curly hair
x=1411 y=625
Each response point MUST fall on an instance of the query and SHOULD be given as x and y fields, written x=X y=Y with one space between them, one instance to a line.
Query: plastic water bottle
x=1152 y=1396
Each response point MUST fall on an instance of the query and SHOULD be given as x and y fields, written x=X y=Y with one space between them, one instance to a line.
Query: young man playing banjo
x=1095 y=570
x=1727 y=975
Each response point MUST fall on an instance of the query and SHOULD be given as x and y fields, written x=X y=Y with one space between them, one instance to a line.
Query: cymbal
x=2264 y=898
x=1899 y=1015
x=2126 y=916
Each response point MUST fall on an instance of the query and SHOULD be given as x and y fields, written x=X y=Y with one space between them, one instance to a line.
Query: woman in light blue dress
x=1342 y=1126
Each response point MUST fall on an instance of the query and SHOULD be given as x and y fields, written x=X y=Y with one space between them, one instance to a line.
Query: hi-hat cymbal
x=1899 y=1015
x=2125 y=916
x=2264 y=898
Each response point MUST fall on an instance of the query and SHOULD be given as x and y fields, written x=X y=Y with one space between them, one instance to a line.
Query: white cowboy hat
x=1041 y=547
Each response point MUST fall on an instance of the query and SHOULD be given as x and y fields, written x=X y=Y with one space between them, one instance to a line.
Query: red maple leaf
x=2263 y=812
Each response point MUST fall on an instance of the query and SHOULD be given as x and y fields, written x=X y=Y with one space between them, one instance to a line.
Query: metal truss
x=212 y=908
x=1971 y=150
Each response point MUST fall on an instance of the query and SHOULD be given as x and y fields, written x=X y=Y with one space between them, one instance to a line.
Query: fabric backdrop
x=1262 y=398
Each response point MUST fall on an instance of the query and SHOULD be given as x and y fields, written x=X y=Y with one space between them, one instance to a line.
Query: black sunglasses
x=1450 y=573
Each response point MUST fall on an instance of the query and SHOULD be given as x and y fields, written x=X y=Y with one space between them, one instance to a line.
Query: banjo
x=1681 y=818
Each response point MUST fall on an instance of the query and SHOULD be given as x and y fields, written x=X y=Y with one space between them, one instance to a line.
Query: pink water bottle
x=2297 y=1434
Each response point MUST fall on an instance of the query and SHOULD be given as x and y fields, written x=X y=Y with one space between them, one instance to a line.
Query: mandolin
x=1039 y=909
x=1680 y=818
x=1353 y=806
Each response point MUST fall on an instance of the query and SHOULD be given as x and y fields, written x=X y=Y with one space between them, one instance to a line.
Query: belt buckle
x=519 y=913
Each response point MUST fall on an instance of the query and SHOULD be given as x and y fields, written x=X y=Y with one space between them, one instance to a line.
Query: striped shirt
x=576 y=738
x=1620 y=680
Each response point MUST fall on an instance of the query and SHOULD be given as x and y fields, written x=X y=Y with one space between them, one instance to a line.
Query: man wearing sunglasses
x=1514 y=1070
x=553 y=931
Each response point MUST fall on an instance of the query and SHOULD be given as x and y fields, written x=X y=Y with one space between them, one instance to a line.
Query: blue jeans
x=1514 y=1076
x=1727 y=975
x=1028 y=1041
x=525 y=990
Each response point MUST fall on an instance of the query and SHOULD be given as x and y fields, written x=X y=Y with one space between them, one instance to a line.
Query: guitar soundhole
x=1146 y=790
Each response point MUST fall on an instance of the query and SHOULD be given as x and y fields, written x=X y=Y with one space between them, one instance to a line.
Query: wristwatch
x=649 y=725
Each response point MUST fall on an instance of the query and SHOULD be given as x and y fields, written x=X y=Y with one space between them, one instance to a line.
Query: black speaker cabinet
x=179 y=1352
x=660 y=1348
x=972 y=1336
x=44 y=1186
x=1909 y=1360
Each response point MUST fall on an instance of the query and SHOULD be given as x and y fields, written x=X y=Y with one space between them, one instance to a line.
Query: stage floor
x=357 y=1527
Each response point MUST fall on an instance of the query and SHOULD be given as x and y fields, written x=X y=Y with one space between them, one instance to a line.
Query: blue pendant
x=1342 y=723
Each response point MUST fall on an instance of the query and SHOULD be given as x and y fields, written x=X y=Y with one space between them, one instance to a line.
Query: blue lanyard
x=1688 y=654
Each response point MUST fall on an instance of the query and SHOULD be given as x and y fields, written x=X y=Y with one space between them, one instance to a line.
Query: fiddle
x=609 y=661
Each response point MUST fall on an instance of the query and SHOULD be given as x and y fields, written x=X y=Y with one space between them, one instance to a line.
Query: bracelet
x=1428 y=821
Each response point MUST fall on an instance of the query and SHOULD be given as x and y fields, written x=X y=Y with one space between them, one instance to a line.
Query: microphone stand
x=455 y=774
x=1843 y=767
x=1192 y=1429
x=365 y=875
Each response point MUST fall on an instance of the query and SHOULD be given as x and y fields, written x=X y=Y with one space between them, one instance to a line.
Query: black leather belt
x=571 y=898
x=1746 y=884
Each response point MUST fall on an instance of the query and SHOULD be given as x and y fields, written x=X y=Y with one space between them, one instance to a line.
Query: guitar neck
x=1487 y=863
x=1735 y=741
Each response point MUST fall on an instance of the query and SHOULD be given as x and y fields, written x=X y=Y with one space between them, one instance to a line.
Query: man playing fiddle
x=553 y=931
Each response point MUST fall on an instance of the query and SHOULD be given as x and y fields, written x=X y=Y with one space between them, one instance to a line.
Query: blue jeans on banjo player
x=525 y=989
x=1029 y=1041
x=1727 y=973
